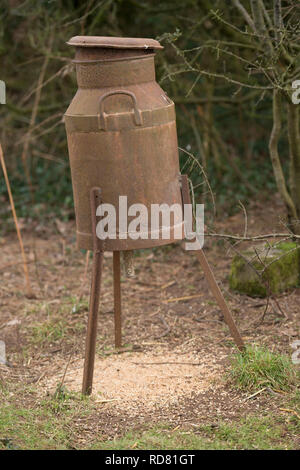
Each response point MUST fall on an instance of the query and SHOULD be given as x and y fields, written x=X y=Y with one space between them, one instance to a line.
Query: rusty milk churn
x=122 y=141
x=121 y=133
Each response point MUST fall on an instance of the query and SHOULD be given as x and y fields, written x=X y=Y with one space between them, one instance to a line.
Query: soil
x=176 y=354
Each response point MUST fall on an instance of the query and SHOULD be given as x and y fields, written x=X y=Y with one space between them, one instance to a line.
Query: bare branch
x=260 y=26
x=285 y=236
x=245 y=14
x=278 y=19
x=266 y=14
x=273 y=149
x=294 y=147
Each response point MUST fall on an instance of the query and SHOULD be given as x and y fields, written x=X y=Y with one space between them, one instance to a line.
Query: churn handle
x=102 y=115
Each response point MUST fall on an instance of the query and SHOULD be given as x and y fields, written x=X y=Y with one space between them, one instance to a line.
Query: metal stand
x=117 y=299
x=91 y=335
x=90 y=349
x=186 y=199
x=90 y=346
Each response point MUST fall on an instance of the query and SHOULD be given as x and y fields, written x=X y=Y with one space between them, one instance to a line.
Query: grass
x=50 y=331
x=53 y=330
x=258 y=367
x=252 y=432
x=57 y=424
x=55 y=323
x=49 y=424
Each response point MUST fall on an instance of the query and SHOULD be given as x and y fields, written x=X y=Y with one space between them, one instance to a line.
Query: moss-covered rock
x=278 y=267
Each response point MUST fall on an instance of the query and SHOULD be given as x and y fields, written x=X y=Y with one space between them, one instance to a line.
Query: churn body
x=121 y=132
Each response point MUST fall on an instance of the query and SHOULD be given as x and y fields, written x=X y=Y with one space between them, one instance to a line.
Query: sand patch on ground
x=145 y=379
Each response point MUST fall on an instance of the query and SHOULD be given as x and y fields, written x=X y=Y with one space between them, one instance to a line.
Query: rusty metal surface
x=114 y=42
x=102 y=116
x=117 y=299
x=121 y=134
x=115 y=73
x=91 y=336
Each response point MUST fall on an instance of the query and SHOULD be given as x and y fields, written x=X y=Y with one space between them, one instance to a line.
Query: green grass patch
x=55 y=323
x=47 y=425
x=251 y=432
x=49 y=331
x=258 y=367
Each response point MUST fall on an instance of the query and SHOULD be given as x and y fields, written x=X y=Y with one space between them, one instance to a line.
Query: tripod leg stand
x=211 y=278
x=90 y=347
x=117 y=299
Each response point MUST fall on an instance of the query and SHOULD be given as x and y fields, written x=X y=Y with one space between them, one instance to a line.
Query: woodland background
x=219 y=71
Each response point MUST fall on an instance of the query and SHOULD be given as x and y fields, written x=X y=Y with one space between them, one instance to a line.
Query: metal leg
x=220 y=299
x=211 y=278
x=117 y=299
x=91 y=336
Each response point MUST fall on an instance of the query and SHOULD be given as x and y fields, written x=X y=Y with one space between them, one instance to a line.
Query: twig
x=29 y=292
x=254 y=238
x=135 y=348
x=288 y=410
x=168 y=284
x=64 y=375
x=165 y=363
x=178 y=299
x=260 y=322
x=107 y=401
x=256 y=393
x=246 y=218
x=204 y=175
x=224 y=77
x=245 y=14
